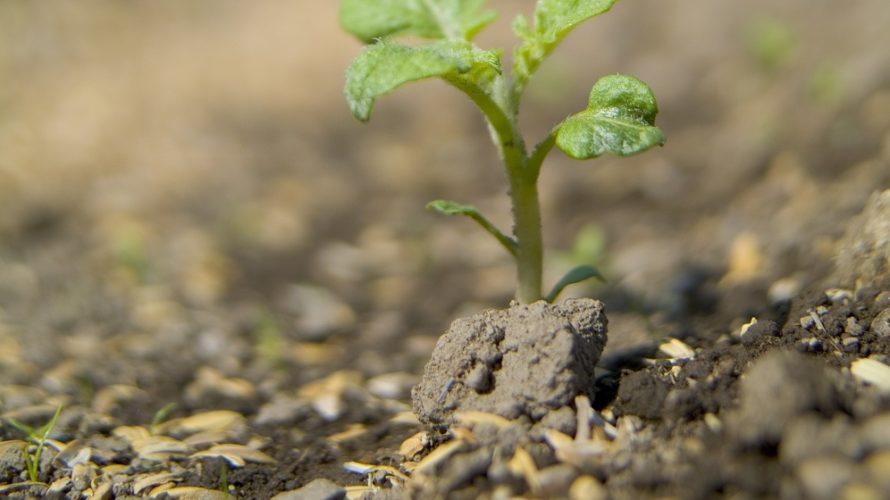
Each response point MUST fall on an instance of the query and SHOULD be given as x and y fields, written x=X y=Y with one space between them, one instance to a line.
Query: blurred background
x=186 y=177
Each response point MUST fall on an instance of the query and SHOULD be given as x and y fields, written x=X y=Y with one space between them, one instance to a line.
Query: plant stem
x=522 y=171
x=527 y=230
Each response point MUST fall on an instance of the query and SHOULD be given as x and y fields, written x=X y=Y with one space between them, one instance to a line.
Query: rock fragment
x=318 y=489
x=778 y=387
x=823 y=476
x=881 y=324
x=319 y=312
x=865 y=249
x=872 y=372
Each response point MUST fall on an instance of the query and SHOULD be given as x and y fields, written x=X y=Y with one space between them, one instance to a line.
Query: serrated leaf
x=554 y=19
x=384 y=66
x=619 y=119
x=372 y=19
x=575 y=275
x=447 y=207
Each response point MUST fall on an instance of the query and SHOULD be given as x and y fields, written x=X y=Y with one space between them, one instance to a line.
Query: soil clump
x=523 y=361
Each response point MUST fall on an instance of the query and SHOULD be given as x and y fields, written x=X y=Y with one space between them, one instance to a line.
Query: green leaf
x=384 y=66
x=554 y=19
x=619 y=119
x=25 y=429
x=455 y=19
x=576 y=275
x=447 y=207
x=160 y=416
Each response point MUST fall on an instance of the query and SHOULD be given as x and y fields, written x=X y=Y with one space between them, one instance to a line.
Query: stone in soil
x=865 y=249
x=319 y=489
x=778 y=387
x=523 y=361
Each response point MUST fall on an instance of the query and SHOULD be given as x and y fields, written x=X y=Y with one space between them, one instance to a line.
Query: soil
x=525 y=361
x=231 y=287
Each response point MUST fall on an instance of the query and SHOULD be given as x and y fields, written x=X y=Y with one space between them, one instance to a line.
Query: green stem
x=527 y=230
x=522 y=171
x=508 y=243
x=542 y=149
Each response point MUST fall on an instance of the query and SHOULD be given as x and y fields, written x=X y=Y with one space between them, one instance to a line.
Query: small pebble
x=319 y=312
x=778 y=387
x=852 y=327
x=554 y=481
x=872 y=371
x=759 y=329
x=479 y=378
x=318 y=489
x=394 y=385
x=811 y=344
x=807 y=322
x=59 y=486
x=12 y=454
x=82 y=475
x=562 y=420
x=823 y=476
x=783 y=290
x=809 y=435
x=859 y=491
x=188 y=493
x=587 y=488
x=677 y=349
x=283 y=410
x=874 y=434
x=744 y=329
x=837 y=295
x=851 y=344
x=877 y=465
x=881 y=324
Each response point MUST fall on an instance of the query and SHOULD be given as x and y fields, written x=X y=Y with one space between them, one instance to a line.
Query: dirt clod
x=522 y=361
x=865 y=250
x=777 y=388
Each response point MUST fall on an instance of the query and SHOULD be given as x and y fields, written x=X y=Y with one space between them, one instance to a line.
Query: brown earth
x=190 y=219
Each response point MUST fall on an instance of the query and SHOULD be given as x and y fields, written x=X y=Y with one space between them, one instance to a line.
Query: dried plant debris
x=215 y=331
x=236 y=455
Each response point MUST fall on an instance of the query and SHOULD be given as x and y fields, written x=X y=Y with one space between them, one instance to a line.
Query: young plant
x=160 y=417
x=37 y=438
x=619 y=118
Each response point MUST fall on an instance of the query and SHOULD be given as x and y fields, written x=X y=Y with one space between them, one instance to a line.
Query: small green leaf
x=447 y=207
x=619 y=119
x=384 y=66
x=576 y=275
x=25 y=429
x=160 y=416
x=554 y=19
x=771 y=41
x=372 y=19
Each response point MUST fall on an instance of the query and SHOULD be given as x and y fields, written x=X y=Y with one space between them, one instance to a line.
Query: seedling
x=160 y=417
x=37 y=437
x=224 y=486
x=619 y=118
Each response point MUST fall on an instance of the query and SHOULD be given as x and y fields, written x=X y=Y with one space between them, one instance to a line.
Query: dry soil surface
x=230 y=287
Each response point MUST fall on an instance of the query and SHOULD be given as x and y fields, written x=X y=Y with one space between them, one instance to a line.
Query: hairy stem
x=522 y=171
x=527 y=230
